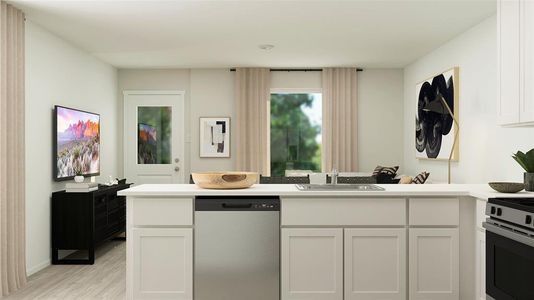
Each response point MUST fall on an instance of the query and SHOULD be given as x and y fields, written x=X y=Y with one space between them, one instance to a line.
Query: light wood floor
x=103 y=280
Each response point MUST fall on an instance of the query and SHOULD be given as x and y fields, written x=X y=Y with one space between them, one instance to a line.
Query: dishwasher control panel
x=237 y=203
x=264 y=205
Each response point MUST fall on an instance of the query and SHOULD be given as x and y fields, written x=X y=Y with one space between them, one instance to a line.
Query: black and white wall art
x=215 y=137
x=434 y=126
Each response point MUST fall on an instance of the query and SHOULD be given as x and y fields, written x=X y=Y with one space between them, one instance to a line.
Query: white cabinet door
x=375 y=264
x=312 y=264
x=163 y=263
x=527 y=61
x=508 y=26
x=434 y=263
x=481 y=265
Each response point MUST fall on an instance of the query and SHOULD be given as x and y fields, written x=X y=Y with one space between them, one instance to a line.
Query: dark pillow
x=421 y=178
x=391 y=171
x=386 y=179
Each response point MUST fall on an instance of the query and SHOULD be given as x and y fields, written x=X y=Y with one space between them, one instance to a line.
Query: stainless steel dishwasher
x=237 y=253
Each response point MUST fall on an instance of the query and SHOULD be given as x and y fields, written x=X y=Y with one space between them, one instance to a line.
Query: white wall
x=58 y=73
x=380 y=118
x=485 y=147
x=210 y=92
x=212 y=95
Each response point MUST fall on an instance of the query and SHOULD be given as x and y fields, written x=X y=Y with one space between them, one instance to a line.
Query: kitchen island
x=406 y=242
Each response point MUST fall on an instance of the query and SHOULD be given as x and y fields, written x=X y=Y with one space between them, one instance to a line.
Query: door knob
x=176 y=169
x=176 y=160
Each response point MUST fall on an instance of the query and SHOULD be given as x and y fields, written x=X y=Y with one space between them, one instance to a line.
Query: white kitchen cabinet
x=422 y=212
x=312 y=263
x=162 y=263
x=515 y=27
x=526 y=100
x=480 y=250
x=343 y=211
x=481 y=265
x=375 y=263
x=508 y=47
x=433 y=264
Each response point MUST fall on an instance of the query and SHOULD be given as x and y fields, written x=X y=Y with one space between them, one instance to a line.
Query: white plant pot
x=78 y=179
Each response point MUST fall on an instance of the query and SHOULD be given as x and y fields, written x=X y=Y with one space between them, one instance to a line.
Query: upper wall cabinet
x=515 y=29
x=526 y=113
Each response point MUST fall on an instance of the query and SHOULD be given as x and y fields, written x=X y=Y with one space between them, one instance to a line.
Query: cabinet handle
x=247 y=205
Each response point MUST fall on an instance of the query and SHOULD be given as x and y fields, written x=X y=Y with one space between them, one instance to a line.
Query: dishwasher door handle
x=234 y=205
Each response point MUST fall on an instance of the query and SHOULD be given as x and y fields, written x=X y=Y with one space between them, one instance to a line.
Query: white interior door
x=153 y=136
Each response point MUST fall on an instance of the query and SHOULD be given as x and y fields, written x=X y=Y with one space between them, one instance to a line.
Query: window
x=154 y=135
x=296 y=120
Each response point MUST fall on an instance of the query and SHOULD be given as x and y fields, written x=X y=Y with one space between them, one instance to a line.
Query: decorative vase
x=78 y=178
x=529 y=182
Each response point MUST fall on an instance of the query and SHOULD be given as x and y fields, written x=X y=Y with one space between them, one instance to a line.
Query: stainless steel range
x=510 y=249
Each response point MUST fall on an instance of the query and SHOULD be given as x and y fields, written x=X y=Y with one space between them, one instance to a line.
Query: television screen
x=77 y=143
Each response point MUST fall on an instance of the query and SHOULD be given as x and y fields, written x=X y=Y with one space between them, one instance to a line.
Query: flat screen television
x=76 y=143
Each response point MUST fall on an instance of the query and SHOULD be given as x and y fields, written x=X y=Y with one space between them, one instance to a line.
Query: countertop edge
x=480 y=191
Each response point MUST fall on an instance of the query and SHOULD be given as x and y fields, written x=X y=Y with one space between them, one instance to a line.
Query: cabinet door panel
x=481 y=265
x=434 y=263
x=312 y=264
x=508 y=14
x=163 y=263
x=375 y=264
x=527 y=61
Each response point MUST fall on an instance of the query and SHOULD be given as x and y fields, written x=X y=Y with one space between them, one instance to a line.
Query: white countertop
x=481 y=191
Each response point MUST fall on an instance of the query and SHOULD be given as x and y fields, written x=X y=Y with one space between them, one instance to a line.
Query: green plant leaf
x=519 y=158
x=525 y=160
x=530 y=160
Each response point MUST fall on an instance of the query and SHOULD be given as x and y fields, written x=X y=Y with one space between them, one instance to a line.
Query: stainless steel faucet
x=334 y=176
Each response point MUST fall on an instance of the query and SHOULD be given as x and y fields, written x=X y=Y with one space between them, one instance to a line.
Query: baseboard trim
x=38 y=267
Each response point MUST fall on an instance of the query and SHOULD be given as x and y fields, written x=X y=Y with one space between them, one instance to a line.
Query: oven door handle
x=524 y=239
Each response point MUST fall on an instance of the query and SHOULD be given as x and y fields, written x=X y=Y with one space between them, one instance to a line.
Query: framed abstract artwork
x=435 y=129
x=214 y=137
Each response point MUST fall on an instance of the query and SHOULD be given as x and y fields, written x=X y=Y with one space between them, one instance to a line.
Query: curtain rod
x=296 y=70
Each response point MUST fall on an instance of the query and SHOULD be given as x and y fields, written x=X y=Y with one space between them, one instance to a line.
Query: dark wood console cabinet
x=82 y=221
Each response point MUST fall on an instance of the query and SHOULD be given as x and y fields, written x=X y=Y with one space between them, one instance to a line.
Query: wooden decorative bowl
x=507 y=187
x=225 y=180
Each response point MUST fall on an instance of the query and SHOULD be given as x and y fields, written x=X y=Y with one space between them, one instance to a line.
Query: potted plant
x=526 y=161
x=78 y=174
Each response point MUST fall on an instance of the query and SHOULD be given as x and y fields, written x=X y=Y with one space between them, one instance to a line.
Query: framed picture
x=214 y=137
x=434 y=126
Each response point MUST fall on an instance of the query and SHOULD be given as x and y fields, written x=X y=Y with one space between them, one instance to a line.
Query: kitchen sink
x=339 y=187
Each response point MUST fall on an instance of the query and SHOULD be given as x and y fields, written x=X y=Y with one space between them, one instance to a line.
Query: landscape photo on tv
x=77 y=143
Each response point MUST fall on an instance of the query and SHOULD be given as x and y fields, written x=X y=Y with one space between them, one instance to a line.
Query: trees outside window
x=295 y=132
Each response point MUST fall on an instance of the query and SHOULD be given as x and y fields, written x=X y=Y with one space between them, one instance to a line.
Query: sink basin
x=339 y=187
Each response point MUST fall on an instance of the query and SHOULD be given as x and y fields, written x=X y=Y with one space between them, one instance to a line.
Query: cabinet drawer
x=434 y=211
x=343 y=211
x=162 y=211
x=480 y=213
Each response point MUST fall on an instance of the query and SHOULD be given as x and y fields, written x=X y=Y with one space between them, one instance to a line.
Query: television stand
x=83 y=221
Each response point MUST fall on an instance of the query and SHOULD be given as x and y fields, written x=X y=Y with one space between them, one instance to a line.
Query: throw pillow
x=392 y=171
x=405 y=179
x=421 y=178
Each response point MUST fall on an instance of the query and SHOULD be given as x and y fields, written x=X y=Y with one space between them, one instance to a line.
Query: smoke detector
x=266 y=47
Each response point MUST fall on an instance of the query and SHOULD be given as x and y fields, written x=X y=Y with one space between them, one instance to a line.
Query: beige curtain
x=340 y=120
x=252 y=92
x=12 y=212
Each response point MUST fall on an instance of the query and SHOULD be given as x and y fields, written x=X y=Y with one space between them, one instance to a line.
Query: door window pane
x=154 y=134
x=295 y=133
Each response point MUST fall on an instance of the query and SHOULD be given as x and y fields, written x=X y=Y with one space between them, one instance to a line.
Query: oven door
x=509 y=264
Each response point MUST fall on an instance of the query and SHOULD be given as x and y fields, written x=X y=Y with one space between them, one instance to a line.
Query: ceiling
x=209 y=34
